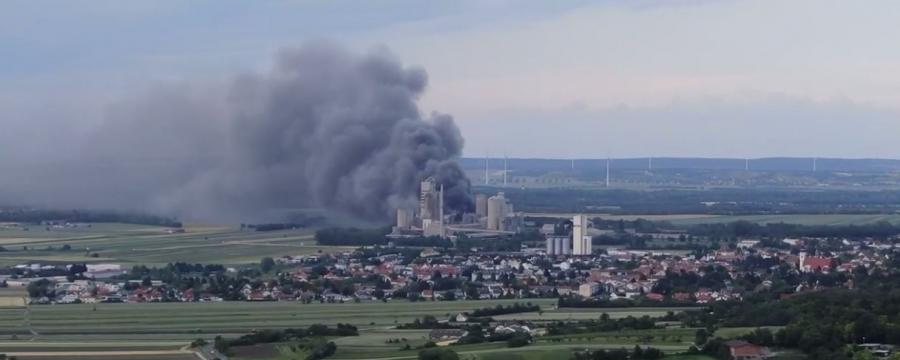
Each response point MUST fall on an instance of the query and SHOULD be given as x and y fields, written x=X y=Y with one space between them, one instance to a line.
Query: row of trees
x=638 y=353
x=605 y=323
x=36 y=216
x=272 y=336
x=509 y=309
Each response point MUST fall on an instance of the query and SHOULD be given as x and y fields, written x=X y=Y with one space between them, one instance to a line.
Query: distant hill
x=760 y=164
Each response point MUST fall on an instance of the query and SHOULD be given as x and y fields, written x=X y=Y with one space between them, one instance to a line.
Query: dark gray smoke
x=324 y=128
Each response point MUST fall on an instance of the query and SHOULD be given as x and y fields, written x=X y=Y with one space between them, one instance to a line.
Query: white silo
x=404 y=218
x=481 y=205
x=496 y=212
x=581 y=241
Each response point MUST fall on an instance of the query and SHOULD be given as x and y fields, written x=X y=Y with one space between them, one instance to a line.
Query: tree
x=266 y=264
x=700 y=337
x=438 y=354
x=518 y=340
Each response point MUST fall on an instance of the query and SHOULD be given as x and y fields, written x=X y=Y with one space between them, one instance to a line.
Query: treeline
x=573 y=301
x=881 y=229
x=475 y=334
x=638 y=353
x=819 y=323
x=273 y=336
x=428 y=322
x=515 y=308
x=272 y=226
x=36 y=216
x=605 y=323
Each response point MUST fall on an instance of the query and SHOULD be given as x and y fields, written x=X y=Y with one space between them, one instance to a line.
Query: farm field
x=694 y=219
x=167 y=327
x=537 y=351
x=803 y=219
x=151 y=245
x=183 y=321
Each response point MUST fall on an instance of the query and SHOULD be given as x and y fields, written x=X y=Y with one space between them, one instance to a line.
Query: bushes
x=271 y=336
x=438 y=354
x=605 y=323
x=321 y=350
x=518 y=340
x=637 y=353
x=511 y=309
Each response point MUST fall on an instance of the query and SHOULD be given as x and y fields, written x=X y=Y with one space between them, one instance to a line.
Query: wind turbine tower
x=650 y=163
x=505 y=169
x=486 y=169
x=814 y=164
x=607 y=172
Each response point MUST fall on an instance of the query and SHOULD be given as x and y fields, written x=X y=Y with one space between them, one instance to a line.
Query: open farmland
x=141 y=244
x=167 y=327
x=802 y=219
x=181 y=321
x=694 y=219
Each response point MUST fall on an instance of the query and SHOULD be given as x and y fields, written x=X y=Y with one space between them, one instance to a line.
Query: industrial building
x=500 y=214
x=575 y=242
x=431 y=208
x=428 y=218
x=493 y=216
x=481 y=205
x=559 y=245
x=581 y=241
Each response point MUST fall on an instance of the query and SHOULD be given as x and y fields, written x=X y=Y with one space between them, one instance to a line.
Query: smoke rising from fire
x=323 y=128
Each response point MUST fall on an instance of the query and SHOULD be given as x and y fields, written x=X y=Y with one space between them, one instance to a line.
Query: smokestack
x=442 y=211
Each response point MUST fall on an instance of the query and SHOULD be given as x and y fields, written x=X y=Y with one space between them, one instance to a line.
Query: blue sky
x=526 y=78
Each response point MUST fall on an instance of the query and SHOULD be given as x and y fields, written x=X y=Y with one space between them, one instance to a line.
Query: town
x=379 y=273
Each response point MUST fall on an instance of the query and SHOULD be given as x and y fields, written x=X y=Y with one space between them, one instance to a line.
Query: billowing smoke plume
x=324 y=128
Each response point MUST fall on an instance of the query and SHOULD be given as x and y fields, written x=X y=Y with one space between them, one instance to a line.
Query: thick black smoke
x=324 y=128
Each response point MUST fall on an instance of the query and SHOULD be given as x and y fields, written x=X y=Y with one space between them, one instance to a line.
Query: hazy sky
x=526 y=78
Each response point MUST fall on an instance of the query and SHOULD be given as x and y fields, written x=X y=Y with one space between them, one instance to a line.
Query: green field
x=694 y=219
x=141 y=244
x=181 y=321
x=802 y=219
x=167 y=327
